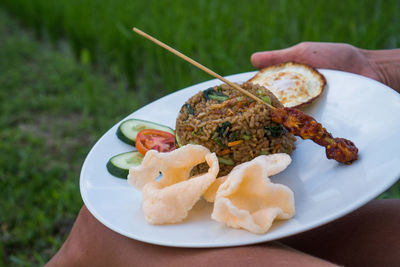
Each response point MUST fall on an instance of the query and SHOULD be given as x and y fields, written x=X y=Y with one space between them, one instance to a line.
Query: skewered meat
x=305 y=126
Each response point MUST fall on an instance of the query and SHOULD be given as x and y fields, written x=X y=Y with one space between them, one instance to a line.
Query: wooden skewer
x=198 y=65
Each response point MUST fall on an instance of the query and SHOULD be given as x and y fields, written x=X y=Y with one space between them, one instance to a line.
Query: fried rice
x=234 y=126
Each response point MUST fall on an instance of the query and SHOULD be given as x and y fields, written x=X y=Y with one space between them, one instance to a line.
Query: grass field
x=63 y=57
x=52 y=110
x=220 y=34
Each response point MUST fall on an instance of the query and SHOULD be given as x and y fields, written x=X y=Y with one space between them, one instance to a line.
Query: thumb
x=266 y=58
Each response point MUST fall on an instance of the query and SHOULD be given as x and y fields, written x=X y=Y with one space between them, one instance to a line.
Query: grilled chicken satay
x=305 y=126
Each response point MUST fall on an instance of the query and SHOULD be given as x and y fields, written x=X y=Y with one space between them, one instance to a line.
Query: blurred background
x=70 y=69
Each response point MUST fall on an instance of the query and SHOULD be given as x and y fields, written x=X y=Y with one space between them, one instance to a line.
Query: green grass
x=219 y=34
x=58 y=95
x=53 y=109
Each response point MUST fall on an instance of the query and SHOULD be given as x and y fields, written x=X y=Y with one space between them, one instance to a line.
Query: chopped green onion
x=246 y=137
x=266 y=99
x=218 y=97
x=210 y=93
x=226 y=161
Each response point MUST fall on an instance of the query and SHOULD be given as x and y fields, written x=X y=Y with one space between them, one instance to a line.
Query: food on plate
x=248 y=199
x=171 y=198
x=305 y=126
x=235 y=127
x=245 y=198
x=128 y=129
x=150 y=139
x=211 y=192
x=294 y=84
x=145 y=135
x=274 y=164
x=120 y=164
x=239 y=131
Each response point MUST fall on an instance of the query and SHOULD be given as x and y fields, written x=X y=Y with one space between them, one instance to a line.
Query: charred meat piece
x=305 y=126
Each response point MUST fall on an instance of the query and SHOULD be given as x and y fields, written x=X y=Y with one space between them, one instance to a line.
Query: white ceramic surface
x=352 y=107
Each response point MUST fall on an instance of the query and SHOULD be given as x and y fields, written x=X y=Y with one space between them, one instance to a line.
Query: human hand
x=380 y=65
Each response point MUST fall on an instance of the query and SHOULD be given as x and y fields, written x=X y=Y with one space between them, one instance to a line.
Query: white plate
x=352 y=107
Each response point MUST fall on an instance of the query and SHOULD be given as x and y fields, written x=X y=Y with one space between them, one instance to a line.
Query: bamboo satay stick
x=198 y=65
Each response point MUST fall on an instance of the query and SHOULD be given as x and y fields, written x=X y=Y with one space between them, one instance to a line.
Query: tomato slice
x=149 y=139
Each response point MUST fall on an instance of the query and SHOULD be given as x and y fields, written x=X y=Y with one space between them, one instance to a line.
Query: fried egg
x=294 y=84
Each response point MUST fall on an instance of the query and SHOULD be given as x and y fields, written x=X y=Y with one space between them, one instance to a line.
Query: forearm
x=386 y=64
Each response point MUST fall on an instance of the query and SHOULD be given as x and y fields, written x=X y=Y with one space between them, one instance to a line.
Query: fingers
x=266 y=58
x=263 y=59
x=305 y=52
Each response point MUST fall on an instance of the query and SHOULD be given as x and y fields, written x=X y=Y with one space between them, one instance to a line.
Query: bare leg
x=92 y=244
x=370 y=236
x=367 y=237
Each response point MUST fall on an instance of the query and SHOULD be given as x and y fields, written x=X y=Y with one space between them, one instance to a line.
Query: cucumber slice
x=120 y=164
x=128 y=129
